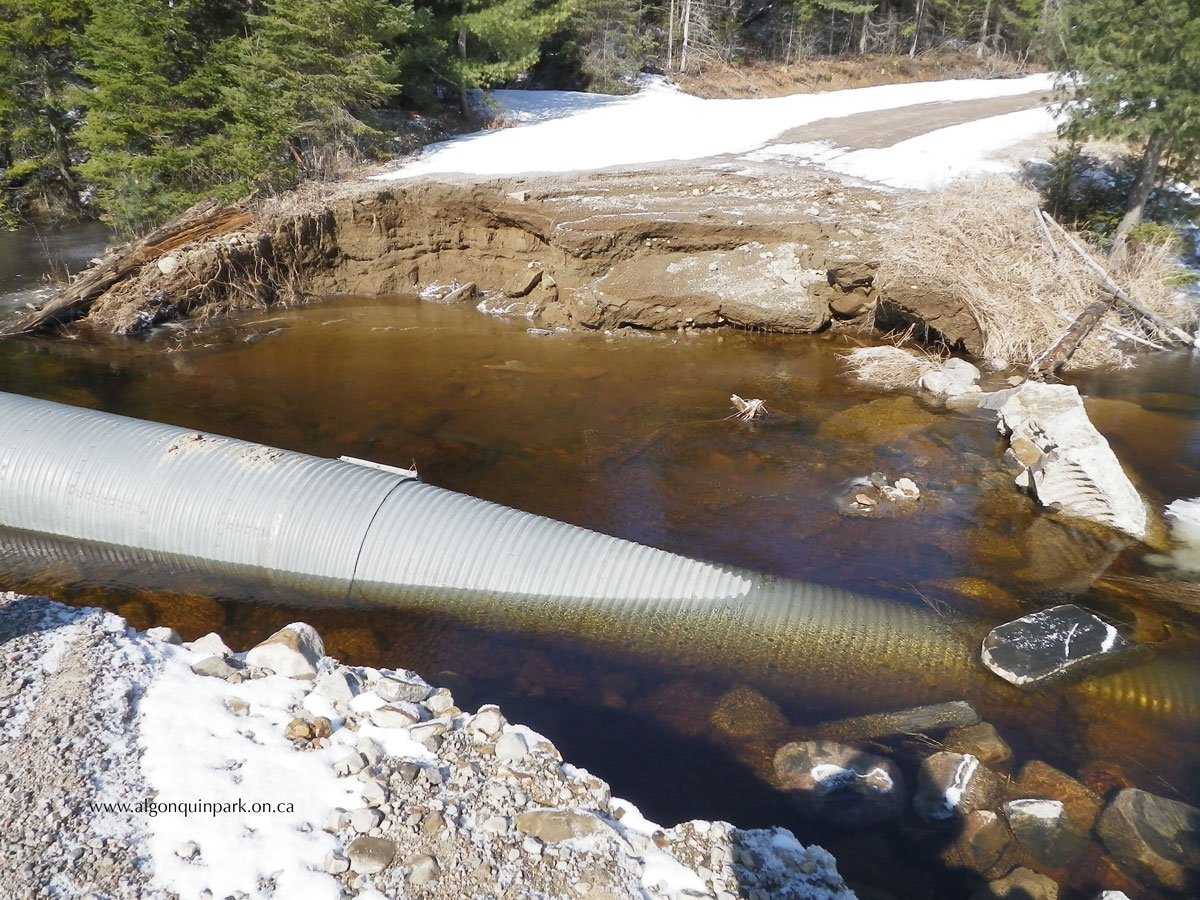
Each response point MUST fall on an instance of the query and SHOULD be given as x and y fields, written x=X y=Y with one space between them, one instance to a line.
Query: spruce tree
x=302 y=84
x=39 y=45
x=1136 y=74
x=153 y=113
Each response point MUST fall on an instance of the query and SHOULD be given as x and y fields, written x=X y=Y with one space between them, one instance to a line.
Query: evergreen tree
x=611 y=43
x=1136 y=74
x=303 y=81
x=496 y=40
x=39 y=43
x=153 y=110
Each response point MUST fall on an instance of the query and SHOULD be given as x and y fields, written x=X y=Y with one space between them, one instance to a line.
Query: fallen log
x=207 y=219
x=1106 y=284
x=1057 y=354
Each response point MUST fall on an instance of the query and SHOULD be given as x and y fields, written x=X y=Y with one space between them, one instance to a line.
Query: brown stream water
x=630 y=435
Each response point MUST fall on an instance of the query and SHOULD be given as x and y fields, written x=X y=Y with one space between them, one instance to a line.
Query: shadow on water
x=629 y=436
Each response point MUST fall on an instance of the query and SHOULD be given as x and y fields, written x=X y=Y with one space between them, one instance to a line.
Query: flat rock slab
x=1052 y=645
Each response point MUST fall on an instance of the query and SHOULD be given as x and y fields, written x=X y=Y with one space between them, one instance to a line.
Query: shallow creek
x=630 y=435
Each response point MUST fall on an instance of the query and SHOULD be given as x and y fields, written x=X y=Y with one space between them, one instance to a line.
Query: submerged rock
x=1043 y=828
x=1154 y=839
x=1019 y=884
x=840 y=784
x=918 y=720
x=1051 y=645
x=1065 y=462
x=951 y=785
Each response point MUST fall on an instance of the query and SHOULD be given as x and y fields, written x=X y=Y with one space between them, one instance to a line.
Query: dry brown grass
x=890 y=368
x=980 y=243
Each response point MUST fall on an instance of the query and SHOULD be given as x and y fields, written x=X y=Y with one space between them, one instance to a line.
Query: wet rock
x=369 y=855
x=953 y=377
x=293 y=651
x=1154 y=839
x=553 y=825
x=918 y=720
x=1019 y=884
x=950 y=785
x=1043 y=829
x=745 y=713
x=878 y=423
x=791 y=310
x=1052 y=645
x=981 y=741
x=1066 y=463
x=840 y=784
x=984 y=844
x=1082 y=804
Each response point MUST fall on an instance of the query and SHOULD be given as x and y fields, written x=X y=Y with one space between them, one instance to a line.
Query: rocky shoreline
x=135 y=766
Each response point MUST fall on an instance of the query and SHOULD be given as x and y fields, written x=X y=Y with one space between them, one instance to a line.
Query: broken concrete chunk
x=1073 y=470
x=1052 y=645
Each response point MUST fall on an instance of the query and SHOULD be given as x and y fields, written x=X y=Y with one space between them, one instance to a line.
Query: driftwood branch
x=204 y=220
x=1106 y=284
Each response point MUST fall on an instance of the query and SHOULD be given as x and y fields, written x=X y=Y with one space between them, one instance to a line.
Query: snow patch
x=560 y=131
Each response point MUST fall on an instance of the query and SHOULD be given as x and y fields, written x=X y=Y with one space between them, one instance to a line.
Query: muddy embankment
x=599 y=253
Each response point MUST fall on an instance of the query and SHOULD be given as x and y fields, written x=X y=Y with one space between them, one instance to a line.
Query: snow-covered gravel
x=126 y=774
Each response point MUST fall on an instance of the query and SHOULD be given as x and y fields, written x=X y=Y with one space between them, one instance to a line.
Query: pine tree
x=302 y=83
x=1136 y=75
x=39 y=45
x=611 y=43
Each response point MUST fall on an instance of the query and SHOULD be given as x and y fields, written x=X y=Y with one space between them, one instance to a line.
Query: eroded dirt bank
x=650 y=249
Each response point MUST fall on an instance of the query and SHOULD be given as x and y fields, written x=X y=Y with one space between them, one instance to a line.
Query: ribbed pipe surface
x=240 y=509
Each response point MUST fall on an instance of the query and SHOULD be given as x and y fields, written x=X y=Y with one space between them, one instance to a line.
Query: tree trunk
x=912 y=51
x=687 y=27
x=1139 y=194
x=983 y=31
x=671 y=36
x=862 y=35
x=464 y=97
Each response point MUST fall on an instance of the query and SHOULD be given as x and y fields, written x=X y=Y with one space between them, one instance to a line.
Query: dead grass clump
x=890 y=368
x=980 y=242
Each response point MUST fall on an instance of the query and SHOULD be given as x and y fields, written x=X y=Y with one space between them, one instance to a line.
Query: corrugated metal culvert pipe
x=234 y=508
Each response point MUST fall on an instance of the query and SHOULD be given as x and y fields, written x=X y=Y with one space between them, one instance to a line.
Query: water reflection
x=630 y=436
x=29 y=255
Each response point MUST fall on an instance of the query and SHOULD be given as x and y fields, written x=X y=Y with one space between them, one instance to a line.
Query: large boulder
x=840 y=784
x=1065 y=462
x=1154 y=839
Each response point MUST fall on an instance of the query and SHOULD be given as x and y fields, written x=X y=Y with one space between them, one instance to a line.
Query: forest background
x=135 y=109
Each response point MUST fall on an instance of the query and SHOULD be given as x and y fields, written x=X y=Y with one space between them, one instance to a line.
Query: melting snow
x=561 y=131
